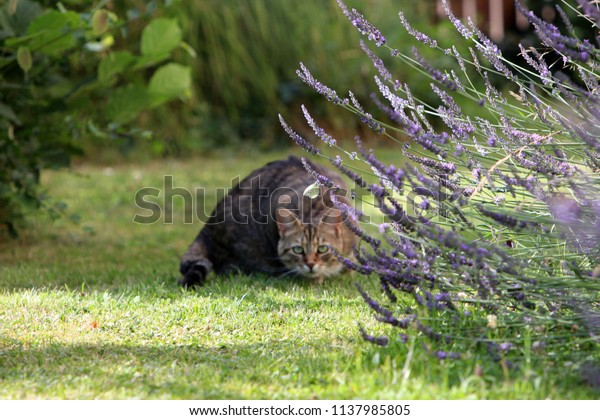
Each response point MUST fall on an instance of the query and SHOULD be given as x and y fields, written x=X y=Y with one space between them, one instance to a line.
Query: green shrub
x=66 y=75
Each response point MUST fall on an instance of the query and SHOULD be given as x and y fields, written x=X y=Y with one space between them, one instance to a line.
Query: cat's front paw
x=195 y=276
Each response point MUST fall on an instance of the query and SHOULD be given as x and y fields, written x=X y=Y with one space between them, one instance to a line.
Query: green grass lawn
x=90 y=308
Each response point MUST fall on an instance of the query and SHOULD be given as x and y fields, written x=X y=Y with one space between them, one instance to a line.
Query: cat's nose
x=310 y=264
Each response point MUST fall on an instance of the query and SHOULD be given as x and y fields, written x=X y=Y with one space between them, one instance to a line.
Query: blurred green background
x=247 y=55
x=244 y=73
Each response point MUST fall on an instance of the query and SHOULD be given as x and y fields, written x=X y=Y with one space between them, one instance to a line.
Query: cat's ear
x=333 y=219
x=286 y=220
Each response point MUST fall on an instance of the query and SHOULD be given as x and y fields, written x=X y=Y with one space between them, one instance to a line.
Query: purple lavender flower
x=492 y=96
x=297 y=138
x=358 y=180
x=538 y=63
x=491 y=52
x=363 y=26
x=442 y=355
x=591 y=82
x=549 y=34
x=499 y=199
x=457 y=81
x=430 y=141
x=503 y=219
x=378 y=191
x=565 y=210
x=379 y=65
x=545 y=164
x=432 y=71
x=459 y=150
x=365 y=116
x=321 y=179
x=380 y=341
x=391 y=113
x=429 y=332
x=452 y=116
x=446 y=167
x=529 y=148
x=327 y=139
x=449 y=102
x=398 y=106
x=459 y=59
x=565 y=18
x=390 y=175
x=306 y=76
x=590 y=9
x=405 y=247
x=375 y=243
x=462 y=29
x=419 y=36
x=352 y=265
x=383 y=227
x=385 y=314
x=566 y=86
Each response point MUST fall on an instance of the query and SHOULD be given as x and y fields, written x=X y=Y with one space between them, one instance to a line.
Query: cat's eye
x=297 y=250
x=322 y=249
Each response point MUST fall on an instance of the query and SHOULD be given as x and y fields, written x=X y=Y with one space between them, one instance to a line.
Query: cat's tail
x=195 y=265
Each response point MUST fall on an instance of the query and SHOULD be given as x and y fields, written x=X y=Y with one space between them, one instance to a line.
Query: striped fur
x=264 y=222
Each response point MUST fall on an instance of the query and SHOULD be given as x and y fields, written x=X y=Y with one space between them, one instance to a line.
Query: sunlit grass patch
x=92 y=310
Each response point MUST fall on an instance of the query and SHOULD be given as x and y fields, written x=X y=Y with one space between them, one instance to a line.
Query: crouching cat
x=266 y=225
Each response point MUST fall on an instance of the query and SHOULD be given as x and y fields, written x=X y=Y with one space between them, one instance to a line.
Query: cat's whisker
x=292 y=272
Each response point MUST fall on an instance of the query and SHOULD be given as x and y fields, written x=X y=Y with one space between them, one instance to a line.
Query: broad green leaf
x=24 y=59
x=13 y=42
x=169 y=82
x=125 y=103
x=8 y=113
x=114 y=63
x=146 y=61
x=54 y=20
x=161 y=36
x=51 y=32
x=15 y=17
x=313 y=190
x=99 y=22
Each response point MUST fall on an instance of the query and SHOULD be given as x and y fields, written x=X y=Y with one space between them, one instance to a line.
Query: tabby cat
x=267 y=225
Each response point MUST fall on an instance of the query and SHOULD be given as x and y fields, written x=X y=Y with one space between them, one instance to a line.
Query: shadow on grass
x=270 y=369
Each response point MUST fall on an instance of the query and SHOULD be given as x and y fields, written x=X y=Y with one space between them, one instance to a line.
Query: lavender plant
x=491 y=234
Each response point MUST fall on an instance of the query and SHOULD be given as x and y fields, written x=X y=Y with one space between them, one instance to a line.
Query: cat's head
x=306 y=248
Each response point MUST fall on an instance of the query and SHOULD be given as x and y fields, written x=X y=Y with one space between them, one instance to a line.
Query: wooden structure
x=494 y=17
